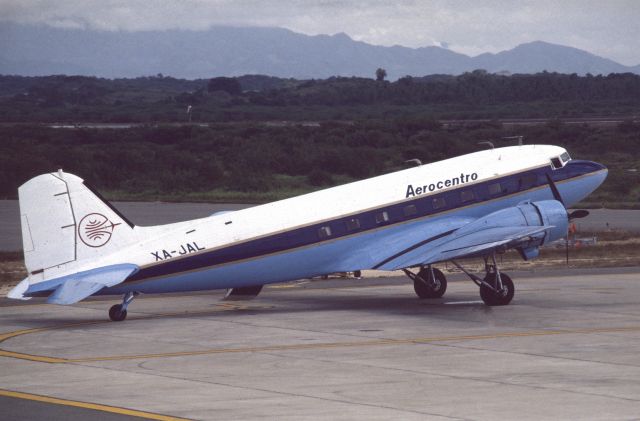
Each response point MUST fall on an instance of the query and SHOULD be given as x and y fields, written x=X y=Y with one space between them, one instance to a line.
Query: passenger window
x=439 y=203
x=382 y=217
x=495 y=189
x=324 y=232
x=556 y=163
x=466 y=196
x=410 y=210
x=353 y=224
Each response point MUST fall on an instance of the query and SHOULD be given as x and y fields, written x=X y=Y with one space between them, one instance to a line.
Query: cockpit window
x=560 y=161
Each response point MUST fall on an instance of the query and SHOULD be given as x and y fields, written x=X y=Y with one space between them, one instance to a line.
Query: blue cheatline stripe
x=308 y=236
x=360 y=251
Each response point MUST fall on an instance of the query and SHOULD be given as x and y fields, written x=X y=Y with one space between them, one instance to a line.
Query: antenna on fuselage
x=415 y=161
x=486 y=142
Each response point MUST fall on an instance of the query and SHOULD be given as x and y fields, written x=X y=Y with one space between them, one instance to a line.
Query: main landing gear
x=496 y=288
x=429 y=282
x=118 y=312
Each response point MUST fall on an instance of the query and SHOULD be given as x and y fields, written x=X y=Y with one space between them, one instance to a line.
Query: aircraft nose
x=587 y=176
x=586 y=167
x=598 y=172
x=597 y=166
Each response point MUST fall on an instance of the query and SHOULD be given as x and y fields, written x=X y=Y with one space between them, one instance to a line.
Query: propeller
x=576 y=214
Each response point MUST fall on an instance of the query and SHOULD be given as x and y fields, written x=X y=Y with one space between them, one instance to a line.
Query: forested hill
x=477 y=94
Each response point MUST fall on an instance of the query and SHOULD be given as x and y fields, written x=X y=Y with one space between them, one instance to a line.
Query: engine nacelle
x=543 y=213
x=553 y=214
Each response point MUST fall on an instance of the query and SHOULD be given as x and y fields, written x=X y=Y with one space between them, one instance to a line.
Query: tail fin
x=64 y=222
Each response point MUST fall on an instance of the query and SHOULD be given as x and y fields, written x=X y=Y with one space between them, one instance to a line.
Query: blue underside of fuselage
x=357 y=251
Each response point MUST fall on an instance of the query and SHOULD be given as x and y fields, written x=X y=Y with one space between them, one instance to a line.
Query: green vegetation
x=260 y=162
x=474 y=95
x=259 y=138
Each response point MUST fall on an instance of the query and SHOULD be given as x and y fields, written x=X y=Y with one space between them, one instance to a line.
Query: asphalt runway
x=566 y=348
x=155 y=213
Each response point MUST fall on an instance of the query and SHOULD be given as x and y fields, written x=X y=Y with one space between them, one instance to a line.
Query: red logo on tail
x=95 y=230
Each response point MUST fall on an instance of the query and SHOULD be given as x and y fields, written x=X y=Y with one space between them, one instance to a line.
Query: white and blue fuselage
x=361 y=225
x=355 y=226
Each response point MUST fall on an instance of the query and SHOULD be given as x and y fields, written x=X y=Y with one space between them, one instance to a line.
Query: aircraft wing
x=457 y=245
x=525 y=226
x=72 y=288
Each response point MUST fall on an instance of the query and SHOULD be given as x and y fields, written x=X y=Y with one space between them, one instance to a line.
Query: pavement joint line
x=89 y=405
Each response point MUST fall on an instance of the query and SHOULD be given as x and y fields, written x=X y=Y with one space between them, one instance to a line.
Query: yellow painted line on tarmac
x=29 y=357
x=377 y=342
x=38 y=358
x=268 y=348
x=8 y=335
x=88 y=405
x=56 y=360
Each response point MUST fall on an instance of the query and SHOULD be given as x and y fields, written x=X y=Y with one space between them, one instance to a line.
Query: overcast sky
x=609 y=28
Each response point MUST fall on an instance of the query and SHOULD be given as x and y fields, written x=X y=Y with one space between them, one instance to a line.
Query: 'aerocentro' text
x=442 y=184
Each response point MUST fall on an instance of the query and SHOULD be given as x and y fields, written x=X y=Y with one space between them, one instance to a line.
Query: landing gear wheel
x=434 y=288
x=497 y=298
x=117 y=314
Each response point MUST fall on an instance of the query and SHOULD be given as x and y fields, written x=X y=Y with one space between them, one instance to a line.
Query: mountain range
x=232 y=51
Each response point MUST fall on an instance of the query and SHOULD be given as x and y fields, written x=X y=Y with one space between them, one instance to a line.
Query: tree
x=226 y=84
x=318 y=177
x=380 y=74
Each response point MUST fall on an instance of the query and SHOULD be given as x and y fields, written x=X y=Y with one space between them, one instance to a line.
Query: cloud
x=607 y=28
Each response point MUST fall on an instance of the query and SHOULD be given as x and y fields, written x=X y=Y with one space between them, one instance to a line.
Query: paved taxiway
x=566 y=348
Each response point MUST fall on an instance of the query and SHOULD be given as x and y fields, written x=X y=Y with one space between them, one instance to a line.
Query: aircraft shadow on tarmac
x=460 y=306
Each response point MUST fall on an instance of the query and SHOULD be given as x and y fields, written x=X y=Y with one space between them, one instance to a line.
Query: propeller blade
x=554 y=190
x=577 y=214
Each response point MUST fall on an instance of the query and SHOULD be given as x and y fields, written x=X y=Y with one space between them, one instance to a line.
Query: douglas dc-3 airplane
x=76 y=244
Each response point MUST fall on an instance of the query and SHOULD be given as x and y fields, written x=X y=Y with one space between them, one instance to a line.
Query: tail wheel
x=497 y=298
x=433 y=288
x=117 y=314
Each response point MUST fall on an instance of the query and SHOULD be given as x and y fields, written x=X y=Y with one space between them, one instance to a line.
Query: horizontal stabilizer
x=73 y=291
x=17 y=293
x=76 y=287
x=222 y=212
